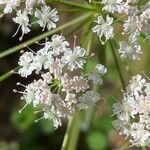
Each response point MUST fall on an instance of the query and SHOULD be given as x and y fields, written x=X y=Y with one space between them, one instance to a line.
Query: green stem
x=143 y=148
x=125 y=146
x=89 y=44
x=72 y=133
x=73 y=4
x=124 y=61
x=86 y=33
x=73 y=128
x=119 y=19
x=128 y=68
x=117 y=65
x=44 y=35
x=8 y=74
x=77 y=27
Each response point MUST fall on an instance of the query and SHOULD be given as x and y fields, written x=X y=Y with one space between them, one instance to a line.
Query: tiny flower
x=131 y=50
x=136 y=83
x=70 y=99
x=78 y=84
x=56 y=67
x=47 y=17
x=31 y=3
x=134 y=112
x=58 y=44
x=111 y=5
x=122 y=111
x=10 y=5
x=25 y=59
x=132 y=24
x=74 y=58
x=47 y=77
x=96 y=75
x=104 y=28
x=100 y=69
x=50 y=113
x=146 y=30
x=25 y=62
x=88 y=99
x=139 y=134
x=42 y=59
x=23 y=21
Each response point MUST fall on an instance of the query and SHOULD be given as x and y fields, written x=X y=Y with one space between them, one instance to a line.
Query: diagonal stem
x=44 y=35
x=8 y=74
x=73 y=128
x=117 y=64
x=73 y=5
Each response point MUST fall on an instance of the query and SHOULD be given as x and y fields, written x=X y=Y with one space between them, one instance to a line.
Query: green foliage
x=47 y=126
x=23 y=121
x=96 y=141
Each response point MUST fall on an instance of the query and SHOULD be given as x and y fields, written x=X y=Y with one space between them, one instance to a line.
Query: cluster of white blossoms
x=136 y=22
x=46 y=17
x=133 y=112
x=63 y=86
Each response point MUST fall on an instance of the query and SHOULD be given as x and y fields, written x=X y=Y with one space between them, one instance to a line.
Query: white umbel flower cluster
x=133 y=113
x=136 y=22
x=46 y=17
x=62 y=87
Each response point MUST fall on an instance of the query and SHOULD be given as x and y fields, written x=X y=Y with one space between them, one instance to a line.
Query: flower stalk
x=44 y=35
x=117 y=65
x=73 y=5
x=71 y=137
x=8 y=74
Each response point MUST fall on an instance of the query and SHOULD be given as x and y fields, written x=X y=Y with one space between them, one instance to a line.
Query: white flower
x=46 y=97
x=111 y=5
x=30 y=5
x=100 y=69
x=10 y=5
x=134 y=112
x=50 y=113
x=136 y=83
x=132 y=24
x=25 y=62
x=29 y=93
x=88 y=99
x=122 y=111
x=128 y=8
x=56 y=67
x=139 y=134
x=146 y=30
x=70 y=99
x=74 y=59
x=25 y=59
x=147 y=88
x=96 y=75
x=47 y=17
x=25 y=71
x=144 y=104
x=47 y=77
x=131 y=50
x=42 y=59
x=133 y=37
x=57 y=92
x=79 y=84
x=104 y=28
x=23 y=21
x=58 y=44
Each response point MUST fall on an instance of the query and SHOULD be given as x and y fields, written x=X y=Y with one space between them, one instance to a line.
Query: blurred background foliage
x=20 y=132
